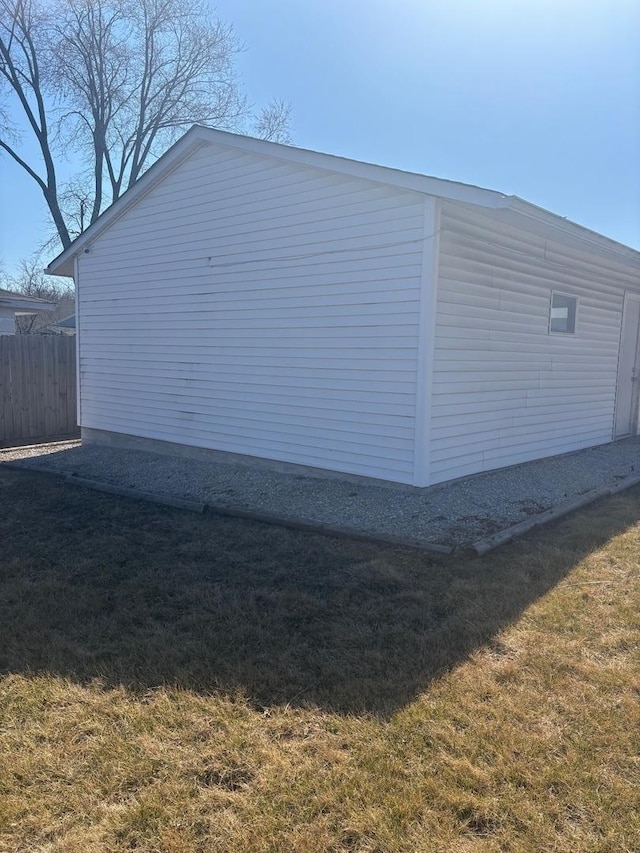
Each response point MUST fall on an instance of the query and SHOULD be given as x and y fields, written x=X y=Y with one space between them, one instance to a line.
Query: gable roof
x=525 y=212
x=24 y=304
x=43 y=322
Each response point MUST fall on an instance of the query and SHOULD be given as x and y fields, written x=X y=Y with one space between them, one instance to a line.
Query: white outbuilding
x=264 y=300
x=14 y=305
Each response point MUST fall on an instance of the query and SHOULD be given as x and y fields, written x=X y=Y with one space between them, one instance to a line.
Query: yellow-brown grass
x=179 y=683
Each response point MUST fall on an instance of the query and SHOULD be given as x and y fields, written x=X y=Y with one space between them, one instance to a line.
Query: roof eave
x=21 y=306
x=197 y=136
x=412 y=181
x=598 y=242
x=63 y=264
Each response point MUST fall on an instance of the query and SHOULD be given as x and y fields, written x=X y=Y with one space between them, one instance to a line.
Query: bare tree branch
x=22 y=42
x=116 y=81
x=272 y=123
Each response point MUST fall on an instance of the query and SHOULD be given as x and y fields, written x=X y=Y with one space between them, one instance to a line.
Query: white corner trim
x=426 y=341
x=76 y=281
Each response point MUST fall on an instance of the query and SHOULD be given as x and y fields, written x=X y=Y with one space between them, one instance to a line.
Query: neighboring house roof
x=24 y=304
x=65 y=325
x=535 y=218
x=46 y=322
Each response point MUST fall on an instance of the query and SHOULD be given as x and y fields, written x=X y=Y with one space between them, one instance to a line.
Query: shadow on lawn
x=97 y=586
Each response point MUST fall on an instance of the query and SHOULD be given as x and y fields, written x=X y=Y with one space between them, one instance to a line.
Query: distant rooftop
x=11 y=299
x=66 y=323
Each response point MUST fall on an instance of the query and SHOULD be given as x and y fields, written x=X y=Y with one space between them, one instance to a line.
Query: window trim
x=575 y=317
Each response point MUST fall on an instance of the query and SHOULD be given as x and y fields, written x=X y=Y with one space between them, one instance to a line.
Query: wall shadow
x=99 y=586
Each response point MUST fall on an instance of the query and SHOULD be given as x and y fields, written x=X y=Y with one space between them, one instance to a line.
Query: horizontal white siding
x=504 y=390
x=258 y=307
x=7 y=321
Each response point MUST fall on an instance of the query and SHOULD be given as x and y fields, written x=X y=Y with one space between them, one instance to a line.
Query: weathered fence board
x=37 y=387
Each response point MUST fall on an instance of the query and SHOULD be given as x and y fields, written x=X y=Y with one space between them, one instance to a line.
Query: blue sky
x=539 y=98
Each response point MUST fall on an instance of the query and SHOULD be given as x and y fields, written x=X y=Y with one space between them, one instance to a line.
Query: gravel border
x=477 y=511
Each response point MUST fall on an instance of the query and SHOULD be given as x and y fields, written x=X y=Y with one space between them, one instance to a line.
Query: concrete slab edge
x=626 y=483
x=127 y=492
x=264 y=517
x=18 y=465
x=480 y=546
x=489 y=543
x=331 y=530
x=111 y=488
x=237 y=512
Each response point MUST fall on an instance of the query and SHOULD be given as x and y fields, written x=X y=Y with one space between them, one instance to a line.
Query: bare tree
x=31 y=280
x=272 y=123
x=23 y=29
x=117 y=81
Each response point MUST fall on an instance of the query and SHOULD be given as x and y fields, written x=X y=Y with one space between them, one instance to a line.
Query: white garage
x=264 y=300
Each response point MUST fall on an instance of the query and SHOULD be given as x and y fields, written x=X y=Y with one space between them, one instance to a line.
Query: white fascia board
x=598 y=243
x=26 y=306
x=63 y=263
x=423 y=184
x=198 y=136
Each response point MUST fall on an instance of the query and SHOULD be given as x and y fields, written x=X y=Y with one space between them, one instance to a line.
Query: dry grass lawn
x=177 y=683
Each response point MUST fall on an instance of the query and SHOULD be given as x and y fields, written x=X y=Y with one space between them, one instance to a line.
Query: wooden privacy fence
x=37 y=388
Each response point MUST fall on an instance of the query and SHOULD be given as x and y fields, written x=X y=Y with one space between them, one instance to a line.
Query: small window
x=562 y=317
